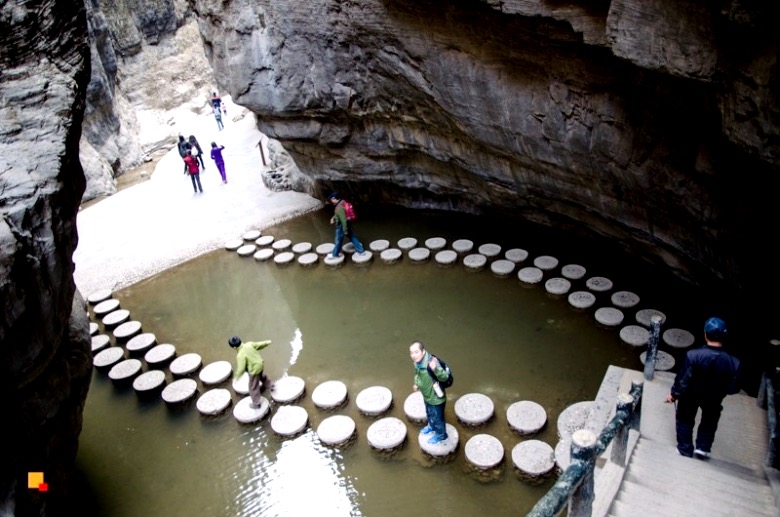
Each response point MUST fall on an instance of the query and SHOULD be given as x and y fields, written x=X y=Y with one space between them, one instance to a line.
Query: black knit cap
x=234 y=342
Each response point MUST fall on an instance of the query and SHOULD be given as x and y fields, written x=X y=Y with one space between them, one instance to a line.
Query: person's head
x=417 y=351
x=234 y=342
x=334 y=197
x=213 y=144
x=192 y=138
x=214 y=94
x=715 y=330
x=181 y=138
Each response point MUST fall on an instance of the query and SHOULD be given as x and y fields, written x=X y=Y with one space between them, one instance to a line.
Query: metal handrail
x=771 y=416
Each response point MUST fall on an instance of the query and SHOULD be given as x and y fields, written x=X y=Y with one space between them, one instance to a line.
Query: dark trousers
x=196 y=181
x=686 y=419
x=435 y=416
x=257 y=384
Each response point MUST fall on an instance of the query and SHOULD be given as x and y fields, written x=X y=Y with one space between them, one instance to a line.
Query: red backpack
x=349 y=210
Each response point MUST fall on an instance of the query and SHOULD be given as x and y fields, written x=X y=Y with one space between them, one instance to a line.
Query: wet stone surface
x=598 y=284
x=141 y=343
x=108 y=357
x=281 y=244
x=127 y=330
x=379 y=245
x=419 y=254
x=609 y=316
x=308 y=259
x=106 y=306
x=284 y=258
x=246 y=250
x=263 y=254
x=484 y=451
x=635 y=335
x=435 y=243
x=100 y=342
x=516 y=255
x=474 y=409
x=386 y=434
x=624 y=299
x=475 y=261
x=214 y=401
x=180 y=391
x=663 y=360
x=533 y=459
x=582 y=299
x=557 y=285
x=99 y=296
x=112 y=319
x=246 y=413
x=265 y=240
x=446 y=448
x=502 y=267
x=336 y=430
x=251 y=235
x=150 y=381
x=215 y=373
x=414 y=408
x=678 y=338
x=288 y=389
x=125 y=370
x=446 y=257
x=186 y=364
x=489 y=250
x=462 y=246
x=546 y=262
x=289 y=420
x=301 y=248
x=374 y=400
x=391 y=256
x=573 y=271
x=160 y=354
x=530 y=275
x=329 y=394
x=645 y=316
x=407 y=243
x=526 y=417
x=325 y=248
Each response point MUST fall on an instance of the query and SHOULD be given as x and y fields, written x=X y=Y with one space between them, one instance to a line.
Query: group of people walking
x=192 y=155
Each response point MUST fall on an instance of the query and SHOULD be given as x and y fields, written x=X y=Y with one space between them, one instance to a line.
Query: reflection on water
x=353 y=324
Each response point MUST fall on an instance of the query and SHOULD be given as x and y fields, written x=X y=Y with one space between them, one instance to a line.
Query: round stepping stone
x=533 y=459
x=125 y=370
x=374 y=400
x=127 y=330
x=386 y=433
x=609 y=316
x=462 y=246
x=325 y=249
x=141 y=343
x=332 y=261
x=215 y=373
x=149 y=382
x=624 y=299
x=557 y=285
x=516 y=255
x=598 y=284
x=348 y=248
x=288 y=389
x=100 y=342
x=214 y=402
x=474 y=409
x=407 y=243
x=526 y=417
x=362 y=258
x=635 y=335
x=573 y=271
x=446 y=257
x=179 y=391
x=484 y=451
x=160 y=354
x=582 y=299
x=251 y=235
x=246 y=250
x=440 y=449
x=435 y=243
x=678 y=338
x=284 y=258
x=246 y=413
x=308 y=259
x=489 y=250
x=281 y=244
x=99 y=296
x=530 y=275
x=302 y=247
x=289 y=420
x=475 y=261
x=562 y=454
x=263 y=254
x=419 y=254
x=113 y=319
x=379 y=245
x=108 y=357
x=265 y=240
x=329 y=394
x=93 y=328
x=502 y=267
x=391 y=256
x=414 y=408
x=241 y=385
x=106 y=306
x=663 y=361
x=645 y=316
x=234 y=244
x=185 y=364
x=574 y=418
x=336 y=430
x=546 y=262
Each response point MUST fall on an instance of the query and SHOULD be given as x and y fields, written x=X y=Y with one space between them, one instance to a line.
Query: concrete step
x=641 y=509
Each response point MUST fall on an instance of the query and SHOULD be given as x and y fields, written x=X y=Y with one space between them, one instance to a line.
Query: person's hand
x=332 y=219
x=415 y=388
x=669 y=399
x=434 y=363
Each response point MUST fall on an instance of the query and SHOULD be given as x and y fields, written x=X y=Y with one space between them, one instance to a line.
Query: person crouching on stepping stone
x=248 y=359
x=433 y=395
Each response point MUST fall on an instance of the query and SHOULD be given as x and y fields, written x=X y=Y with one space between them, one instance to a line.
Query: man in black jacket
x=707 y=375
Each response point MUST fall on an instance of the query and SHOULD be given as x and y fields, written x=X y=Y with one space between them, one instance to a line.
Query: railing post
x=761 y=397
x=620 y=442
x=652 y=346
x=583 y=447
x=262 y=154
x=636 y=418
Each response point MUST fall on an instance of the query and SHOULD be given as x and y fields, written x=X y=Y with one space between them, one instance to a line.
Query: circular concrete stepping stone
x=241 y=385
x=215 y=373
x=645 y=316
x=336 y=430
x=624 y=299
x=348 y=248
x=516 y=255
x=149 y=382
x=533 y=459
x=308 y=259
x=302 y=247
x=609 y=316
x=281 y=244
x=214 y=401
x=546 y=262
x=562 y=454
x=573 y=271
x=113 y=319
x=106 y=306
x=557 y=286
x=414 y=408
x=474 y=409
x=362 y=258
x=598 y=284
x=160 y=354
x=374 y=400
x=530 y=275
x=634 y=335
x=100 y=342
x=484 y=451
x=386 y=434
x=407 y=243
x=475 y=261
x=502 y=267
x=435 y=243
x=391 y=256
x=489 y=250
x=288 y=389
x=246 y=413
x=179 y=391
x=185 y=364
x=108 y=357
x=284 y=258
x=141 y=343
x=325 y=248
x=125 y=370
x=234 y=244
x=663 y=361
x=446 y=257
x=264 y=254
x=462 y=246
x=329 y=394
x=332 y=261
x=678 y=338
x=440 y=449
x=251 y=235
x=582 y=299
x=93 y=328
x=265 y=240
x=379 y=245
x=419 y=254
x=127 y=330
x=99 y=296
x=574 y=418
x=289 y=420
x=246 y=250
x=526 y=417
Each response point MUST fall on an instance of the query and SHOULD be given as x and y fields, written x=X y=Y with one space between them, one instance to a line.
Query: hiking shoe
x=436 y=439
x=702 y=455
x=426 y=430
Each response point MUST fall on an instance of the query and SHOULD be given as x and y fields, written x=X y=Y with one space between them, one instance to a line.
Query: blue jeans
x=435 y=416
x=340 y=237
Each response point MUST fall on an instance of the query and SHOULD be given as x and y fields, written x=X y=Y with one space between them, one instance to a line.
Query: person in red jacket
x=192 y=168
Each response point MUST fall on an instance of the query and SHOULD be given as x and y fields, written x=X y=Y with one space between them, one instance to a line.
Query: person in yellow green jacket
x=248 y=359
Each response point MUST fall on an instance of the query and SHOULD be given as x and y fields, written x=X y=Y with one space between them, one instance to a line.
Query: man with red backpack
x=343 y=215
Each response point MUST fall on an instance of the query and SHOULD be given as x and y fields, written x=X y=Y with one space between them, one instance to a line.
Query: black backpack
x=446 y=383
